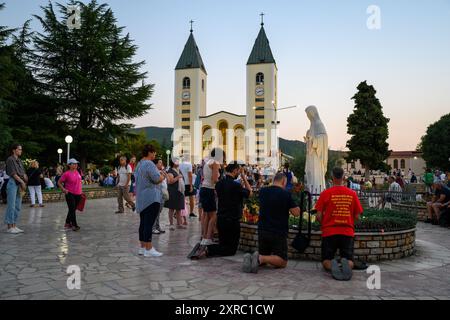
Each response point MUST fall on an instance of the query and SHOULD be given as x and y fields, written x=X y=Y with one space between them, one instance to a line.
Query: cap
x=72 y=161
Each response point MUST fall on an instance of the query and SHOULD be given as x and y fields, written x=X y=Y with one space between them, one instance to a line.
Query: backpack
x=301 y=241
x=429 y=179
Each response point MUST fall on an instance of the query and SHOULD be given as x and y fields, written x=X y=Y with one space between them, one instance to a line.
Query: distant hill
x=164 y=136
x=292 y=147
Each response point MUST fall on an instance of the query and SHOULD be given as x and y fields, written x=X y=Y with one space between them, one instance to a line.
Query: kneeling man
x=337 y=209
x=230 y=195
x=275 y=204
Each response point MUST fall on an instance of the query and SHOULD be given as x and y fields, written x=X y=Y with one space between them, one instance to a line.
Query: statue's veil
x=317 y=126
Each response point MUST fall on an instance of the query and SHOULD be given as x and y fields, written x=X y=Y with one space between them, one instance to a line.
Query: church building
x=251 y=137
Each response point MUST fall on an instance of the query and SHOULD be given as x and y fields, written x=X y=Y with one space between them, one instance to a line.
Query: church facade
x=251 y=137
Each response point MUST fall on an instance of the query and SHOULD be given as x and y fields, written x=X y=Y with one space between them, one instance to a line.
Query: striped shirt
x=147 y=190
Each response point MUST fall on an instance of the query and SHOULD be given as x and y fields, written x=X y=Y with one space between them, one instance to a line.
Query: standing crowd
x=218 y=189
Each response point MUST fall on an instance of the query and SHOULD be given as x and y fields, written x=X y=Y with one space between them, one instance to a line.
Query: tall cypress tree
x=369 y=131
x=90 y=75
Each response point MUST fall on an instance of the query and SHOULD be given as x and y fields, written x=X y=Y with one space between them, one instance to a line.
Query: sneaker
x=152 y=253
x=18 y=230
x=162 y=231
x=12 y=231
x=67 y=226
x=192 y=215
x=76 y=228
x=156 y=232
x=247 y=264
x=207 y=242
x=255 y=262
x=141 y=251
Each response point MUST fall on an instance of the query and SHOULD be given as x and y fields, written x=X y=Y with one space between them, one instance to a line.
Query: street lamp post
x=168 y=155
x=60 y=151
x=69 y=140
x=276 y=122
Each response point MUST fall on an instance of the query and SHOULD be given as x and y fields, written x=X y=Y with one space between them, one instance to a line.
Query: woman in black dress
x=175 y=186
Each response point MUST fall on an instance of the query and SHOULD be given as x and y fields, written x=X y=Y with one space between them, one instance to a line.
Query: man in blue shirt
x=440 y=199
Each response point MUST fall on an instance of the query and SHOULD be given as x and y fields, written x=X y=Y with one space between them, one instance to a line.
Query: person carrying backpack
x=428 y=179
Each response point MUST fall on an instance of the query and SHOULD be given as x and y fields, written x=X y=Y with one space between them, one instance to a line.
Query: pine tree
x=90 y=75
x=369 y=130
x=7 y=85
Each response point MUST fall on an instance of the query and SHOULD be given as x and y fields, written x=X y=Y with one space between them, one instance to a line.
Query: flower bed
x=419 y=209
x=369 y=246
x=380 y=234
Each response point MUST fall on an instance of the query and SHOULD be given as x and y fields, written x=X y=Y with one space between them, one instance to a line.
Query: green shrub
x=106 y=170
x=372 y=220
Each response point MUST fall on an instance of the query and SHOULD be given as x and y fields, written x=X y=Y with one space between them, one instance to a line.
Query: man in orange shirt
x=337 y=210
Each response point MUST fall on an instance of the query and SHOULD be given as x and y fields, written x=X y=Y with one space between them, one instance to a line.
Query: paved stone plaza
x=33 y=265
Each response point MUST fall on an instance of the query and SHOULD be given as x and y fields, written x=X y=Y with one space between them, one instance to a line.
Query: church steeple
x=261 y=52
x=190 y=58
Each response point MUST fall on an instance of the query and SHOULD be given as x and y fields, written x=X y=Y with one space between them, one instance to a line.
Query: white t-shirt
x=443 y=177
x=185 y=168
x=48 y=183
x=123 y=175
x=395 y=187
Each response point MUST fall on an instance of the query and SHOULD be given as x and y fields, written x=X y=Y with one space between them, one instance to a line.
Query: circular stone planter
x=421 y=211
x=369 y=246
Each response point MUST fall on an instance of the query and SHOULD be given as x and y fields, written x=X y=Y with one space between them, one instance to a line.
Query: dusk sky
x=323 y=49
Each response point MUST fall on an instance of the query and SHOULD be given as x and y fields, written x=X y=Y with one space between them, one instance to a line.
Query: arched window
x=395 y=164
x=402 y=164
x=186 y=83
x=203 y=84
x=260 y=78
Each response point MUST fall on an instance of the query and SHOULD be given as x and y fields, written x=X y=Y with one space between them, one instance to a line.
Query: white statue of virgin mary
x=316 y=152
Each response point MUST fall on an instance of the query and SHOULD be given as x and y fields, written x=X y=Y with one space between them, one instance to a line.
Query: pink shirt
x=72 y=182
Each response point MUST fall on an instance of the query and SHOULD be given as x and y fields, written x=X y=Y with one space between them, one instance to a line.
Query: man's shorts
x=187 y=191
x=208 y=199
x=331 y=244
x=272 y=244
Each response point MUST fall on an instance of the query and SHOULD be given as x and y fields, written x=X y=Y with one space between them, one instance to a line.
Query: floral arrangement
x=251 y=210
x=27 y=163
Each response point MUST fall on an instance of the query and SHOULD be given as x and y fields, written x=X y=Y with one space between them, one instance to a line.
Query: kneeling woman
x=148 y=198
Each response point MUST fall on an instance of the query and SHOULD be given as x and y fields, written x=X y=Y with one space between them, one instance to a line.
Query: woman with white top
x=211 y=174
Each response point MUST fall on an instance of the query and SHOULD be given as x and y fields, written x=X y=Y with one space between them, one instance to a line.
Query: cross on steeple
x=191 y=22
x=262 y=18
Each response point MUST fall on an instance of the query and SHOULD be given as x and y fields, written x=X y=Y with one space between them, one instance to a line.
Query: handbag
x=81 y=203
x=301 y=241
x=164 y=191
